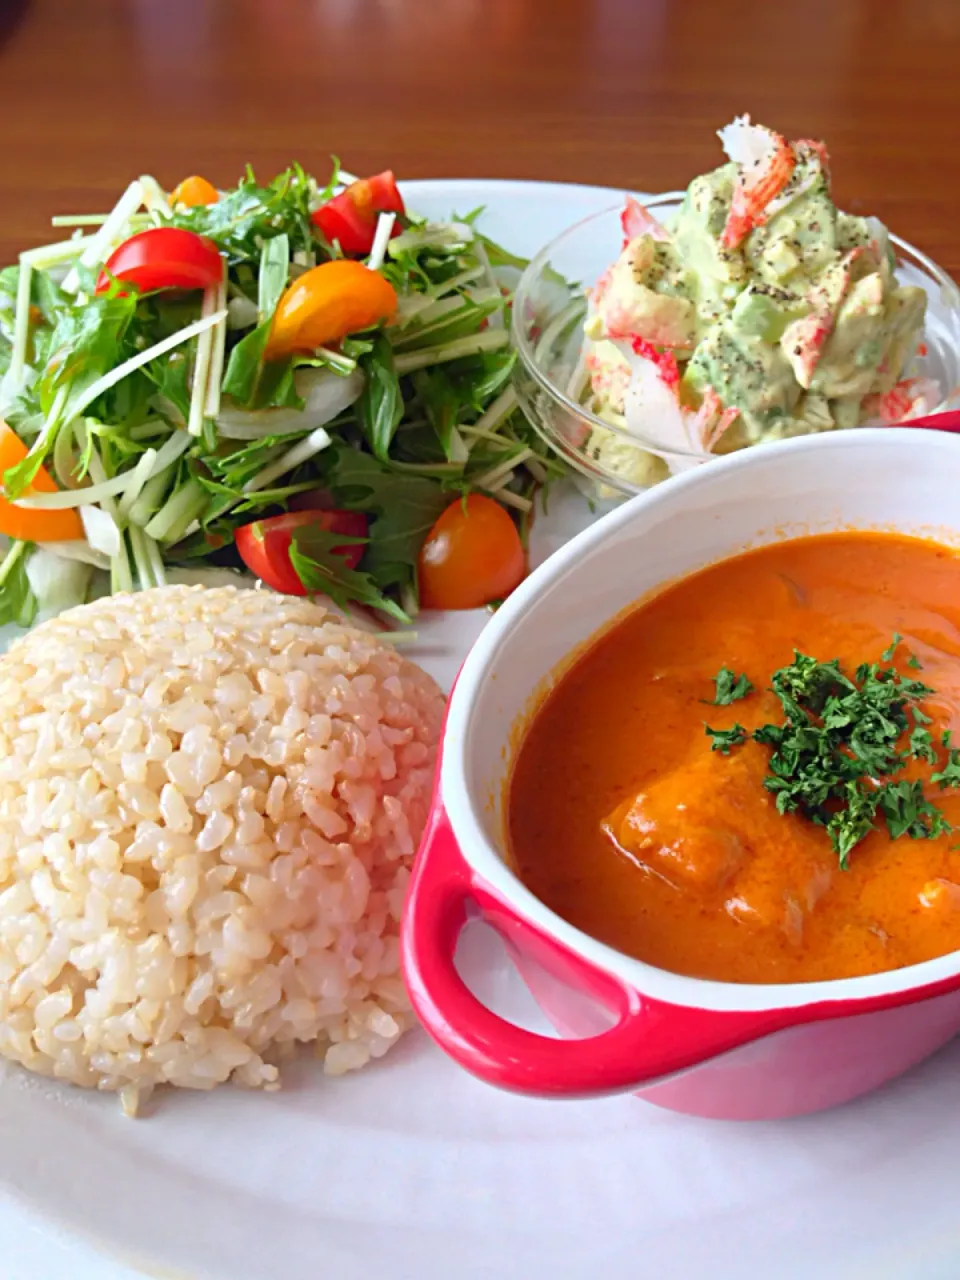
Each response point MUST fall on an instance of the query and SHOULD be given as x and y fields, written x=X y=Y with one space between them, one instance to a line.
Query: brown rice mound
x=209 y=803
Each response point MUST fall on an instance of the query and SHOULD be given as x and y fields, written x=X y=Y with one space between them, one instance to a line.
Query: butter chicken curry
x=751 y=777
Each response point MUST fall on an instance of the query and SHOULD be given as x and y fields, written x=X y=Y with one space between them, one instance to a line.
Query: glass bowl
x=548 y=314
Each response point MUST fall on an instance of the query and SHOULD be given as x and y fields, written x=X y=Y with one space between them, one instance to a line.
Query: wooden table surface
x=620 y=92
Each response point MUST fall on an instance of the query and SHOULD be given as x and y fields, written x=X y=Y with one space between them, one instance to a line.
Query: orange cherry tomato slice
x=328 y=302
x=472 y=556
x=23 y=522
x=194 y=191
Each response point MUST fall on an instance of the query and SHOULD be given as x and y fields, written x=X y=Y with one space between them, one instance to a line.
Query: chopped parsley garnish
x=842 y=741
x=908 y=812
x=725 y=739
x=921 y=745
x=949 y=775
x=730 y=688
x=890 y=650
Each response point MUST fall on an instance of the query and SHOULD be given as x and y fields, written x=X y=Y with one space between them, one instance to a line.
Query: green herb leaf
x=730 y=687
x=724 y=740
x=354 y=347
x=256 y=383
x=242 y=219
x=274 y=270
x=849 y=825
x=406 y=507
x=380 y=406
x=442 y=403
x=887 y=655
x=949 y=775
x=486 y=375
x=321 y=570
x=18 y=478
x=500 y=257
x=17 y=602
x=920 y=746
x=47 y=295
x=86 y=342
x=171 y=376
x=839 y=737
x=914 y=661
x=908 y=812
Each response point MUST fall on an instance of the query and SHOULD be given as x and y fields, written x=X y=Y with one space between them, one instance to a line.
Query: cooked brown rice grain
x=209 y=802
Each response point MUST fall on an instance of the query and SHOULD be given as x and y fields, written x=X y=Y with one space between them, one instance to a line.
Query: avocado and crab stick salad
x=309 y=380
x=756 y=312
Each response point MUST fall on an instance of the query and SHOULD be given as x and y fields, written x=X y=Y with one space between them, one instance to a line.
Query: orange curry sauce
x=719 y=885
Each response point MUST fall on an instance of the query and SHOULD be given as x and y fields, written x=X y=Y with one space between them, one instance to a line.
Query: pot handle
x=650 y=1038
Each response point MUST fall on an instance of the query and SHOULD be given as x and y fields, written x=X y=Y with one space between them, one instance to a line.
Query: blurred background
x=619 y=92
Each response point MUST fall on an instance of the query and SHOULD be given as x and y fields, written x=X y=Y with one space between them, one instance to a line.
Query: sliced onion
x=57 y=582
x=79 y=550
x=91 y=494
x=241 y=312
x=507 y=277
x=325 y=395
x=101 y=530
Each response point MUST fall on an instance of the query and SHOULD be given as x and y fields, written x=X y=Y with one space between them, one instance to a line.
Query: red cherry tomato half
x=264 y=546
x=164 y=258
x=351 y=217
x=472 y=556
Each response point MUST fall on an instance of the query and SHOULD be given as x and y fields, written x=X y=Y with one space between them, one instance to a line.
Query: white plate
x=413 y=1169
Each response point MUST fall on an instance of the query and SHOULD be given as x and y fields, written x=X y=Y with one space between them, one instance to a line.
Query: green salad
x=298 y=376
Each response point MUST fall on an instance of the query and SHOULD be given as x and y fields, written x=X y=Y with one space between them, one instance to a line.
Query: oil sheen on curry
x=650 y=817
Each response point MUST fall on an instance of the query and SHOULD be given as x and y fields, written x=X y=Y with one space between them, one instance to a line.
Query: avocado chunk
x=747 y=373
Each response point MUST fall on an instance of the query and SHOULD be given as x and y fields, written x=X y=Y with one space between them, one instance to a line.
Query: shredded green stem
x=510 y=499
x=10 y=560
x=121 y=579
x=151 y=498
x=473 y=344
x=178 y=512
x=497 y=412
x=140 y=558
x=156 y=560
x=490 y=479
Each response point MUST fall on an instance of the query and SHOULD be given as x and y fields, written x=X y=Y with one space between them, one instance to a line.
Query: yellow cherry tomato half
x=472 y=556
x=194 y=191
x=326 y=303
